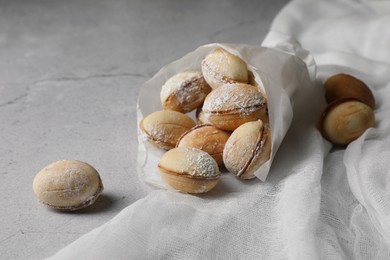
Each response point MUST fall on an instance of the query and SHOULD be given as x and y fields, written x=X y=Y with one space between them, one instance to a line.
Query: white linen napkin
x=315 y=204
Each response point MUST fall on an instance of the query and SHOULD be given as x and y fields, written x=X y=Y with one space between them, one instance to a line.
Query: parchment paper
x=279 y=71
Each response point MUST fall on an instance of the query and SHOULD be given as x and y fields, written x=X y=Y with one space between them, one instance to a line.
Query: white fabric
x=317 y=202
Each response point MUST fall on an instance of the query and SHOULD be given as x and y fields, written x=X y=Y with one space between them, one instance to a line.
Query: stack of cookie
x=231 y=128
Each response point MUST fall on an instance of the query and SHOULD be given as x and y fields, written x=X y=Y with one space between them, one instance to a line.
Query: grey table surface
x=70 y=73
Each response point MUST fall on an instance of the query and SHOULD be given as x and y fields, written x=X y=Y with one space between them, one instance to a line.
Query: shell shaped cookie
x=342 y=86
x=68 y=185
x=184 y=91
x=344 y=120
x=207 y=138
x=164 y=128
x=232 y=105
x=247 y=149
x=189 y=170
x=221 y=67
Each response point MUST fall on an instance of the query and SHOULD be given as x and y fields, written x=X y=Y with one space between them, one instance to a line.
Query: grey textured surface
x=70 y=72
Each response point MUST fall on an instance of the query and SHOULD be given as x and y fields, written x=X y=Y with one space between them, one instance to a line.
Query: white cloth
x=316 y=203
